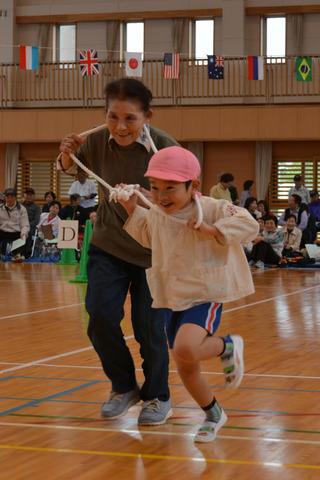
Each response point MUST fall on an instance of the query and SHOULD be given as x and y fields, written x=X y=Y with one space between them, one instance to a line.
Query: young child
x=193 y=272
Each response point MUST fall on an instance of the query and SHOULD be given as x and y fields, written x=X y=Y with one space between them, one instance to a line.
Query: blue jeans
x=109 y=280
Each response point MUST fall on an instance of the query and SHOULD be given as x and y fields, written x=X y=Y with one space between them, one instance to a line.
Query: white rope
x=124 y=193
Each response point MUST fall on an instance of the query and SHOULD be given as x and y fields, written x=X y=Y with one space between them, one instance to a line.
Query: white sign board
x=68 y=234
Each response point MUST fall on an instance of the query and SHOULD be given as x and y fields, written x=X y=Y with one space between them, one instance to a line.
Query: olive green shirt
x=116 y=164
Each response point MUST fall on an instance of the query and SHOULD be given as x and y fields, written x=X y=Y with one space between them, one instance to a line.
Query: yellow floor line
x=160 y=457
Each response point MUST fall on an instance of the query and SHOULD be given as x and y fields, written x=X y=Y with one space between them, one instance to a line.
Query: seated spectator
x=295 y=208
x=251 y=206
x=74 y=211
x=263 y=208
x=247 y=192
x=33 y=211
x=221 y=190
x=299 y=189
x=49 y=197
x=305 y=221
x=50 y=219
x=314 y=206
x=291 y=237
x=87 y=190
x=14 y=224
x=268 y=247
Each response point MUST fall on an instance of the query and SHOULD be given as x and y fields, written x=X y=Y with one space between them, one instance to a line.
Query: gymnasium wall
x=237 y=157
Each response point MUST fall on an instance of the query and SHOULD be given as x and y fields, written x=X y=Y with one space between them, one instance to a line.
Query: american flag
x=215 y=67
x=89 y=63
x=171 y=65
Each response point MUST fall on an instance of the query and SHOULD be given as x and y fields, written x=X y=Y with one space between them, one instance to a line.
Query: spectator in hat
x=299 y=189
x=14 y=224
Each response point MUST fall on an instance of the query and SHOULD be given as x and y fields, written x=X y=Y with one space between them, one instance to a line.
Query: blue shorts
x=206 y=315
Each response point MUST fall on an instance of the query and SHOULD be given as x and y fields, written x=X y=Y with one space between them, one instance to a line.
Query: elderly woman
x=117 y=263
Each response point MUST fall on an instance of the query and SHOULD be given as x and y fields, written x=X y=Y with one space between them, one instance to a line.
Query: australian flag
x=215 y=67
x=89 y=63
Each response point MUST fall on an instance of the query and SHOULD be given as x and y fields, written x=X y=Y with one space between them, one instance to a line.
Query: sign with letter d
x=68 y=234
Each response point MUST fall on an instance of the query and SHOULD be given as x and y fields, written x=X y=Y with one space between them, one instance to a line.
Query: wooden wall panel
x=2 y=165
x=237 y=158
x=214 y=123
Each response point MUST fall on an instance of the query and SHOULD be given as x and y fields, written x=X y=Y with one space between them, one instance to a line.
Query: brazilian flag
x=304 y=69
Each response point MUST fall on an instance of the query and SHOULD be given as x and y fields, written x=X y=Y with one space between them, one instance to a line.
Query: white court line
x=43 y=360
x=224 y=311
x=154 y=432
x=88 y=367
x=301 y=290
x=47 y=359
x=42 y=311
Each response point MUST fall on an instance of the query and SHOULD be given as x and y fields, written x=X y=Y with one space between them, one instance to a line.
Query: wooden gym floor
x=51 y=388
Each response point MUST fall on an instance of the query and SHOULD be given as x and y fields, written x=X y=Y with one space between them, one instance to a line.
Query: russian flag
x=29 y=57
x=255 y=68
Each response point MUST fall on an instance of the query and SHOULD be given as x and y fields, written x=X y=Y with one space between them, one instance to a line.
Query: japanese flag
x=133 y=64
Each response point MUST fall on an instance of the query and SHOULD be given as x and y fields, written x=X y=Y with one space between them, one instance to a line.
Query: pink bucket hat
x=174 y=163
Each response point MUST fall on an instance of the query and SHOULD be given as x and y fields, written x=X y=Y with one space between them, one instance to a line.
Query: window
x=275 y=39
x=67 y=43
x=135 y=37
x=283 y=172
x=43 y=176
x=203 y=38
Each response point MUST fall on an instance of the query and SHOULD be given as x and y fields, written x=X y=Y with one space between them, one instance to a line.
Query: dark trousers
x=264 y=252
x=109 y=280
x=6 y=238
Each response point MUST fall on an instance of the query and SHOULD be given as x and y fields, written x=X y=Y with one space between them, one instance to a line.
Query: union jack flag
x=89 y=63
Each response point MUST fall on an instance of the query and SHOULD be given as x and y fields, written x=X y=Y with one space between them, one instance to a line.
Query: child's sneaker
x=209 y=429
x=259 y=264
x=232 y=361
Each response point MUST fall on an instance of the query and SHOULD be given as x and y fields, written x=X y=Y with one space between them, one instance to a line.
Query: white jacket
x=190 y=268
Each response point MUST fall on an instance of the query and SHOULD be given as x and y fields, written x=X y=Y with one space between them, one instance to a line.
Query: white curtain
x=12 y=159
x=295 y=25
x=197 y=149
x=263 y=168
x=179 y=31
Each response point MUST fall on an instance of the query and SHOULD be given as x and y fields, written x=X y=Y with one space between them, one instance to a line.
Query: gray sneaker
x=155 y=412
x=119 y=403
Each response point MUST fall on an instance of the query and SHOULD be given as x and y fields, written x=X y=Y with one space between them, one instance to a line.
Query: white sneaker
x=232 y=361
x=208 y=430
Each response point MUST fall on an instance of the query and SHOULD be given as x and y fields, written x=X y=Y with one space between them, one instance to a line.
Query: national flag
x=171 y=67
x=133 y=64
x=89 y=63
x=255 y=68
x=215 y=67
x=304 y=69
x=29 y=57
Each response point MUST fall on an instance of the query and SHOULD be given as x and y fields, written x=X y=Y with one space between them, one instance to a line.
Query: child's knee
x=184 y=353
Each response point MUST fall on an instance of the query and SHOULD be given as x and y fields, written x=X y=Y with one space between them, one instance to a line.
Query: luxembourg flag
x=29 y=58
x=255 y=68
